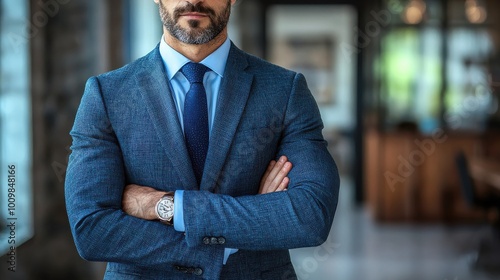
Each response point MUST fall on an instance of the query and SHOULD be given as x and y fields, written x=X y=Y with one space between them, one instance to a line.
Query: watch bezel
x=166 y=198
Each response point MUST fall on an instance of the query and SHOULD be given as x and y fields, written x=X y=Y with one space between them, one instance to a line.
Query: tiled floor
x=359 y=249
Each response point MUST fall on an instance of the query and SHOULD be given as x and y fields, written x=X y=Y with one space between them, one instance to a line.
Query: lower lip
x=194 y=16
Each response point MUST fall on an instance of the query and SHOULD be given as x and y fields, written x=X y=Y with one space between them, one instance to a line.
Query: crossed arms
x=103 y=231
x=139 y=201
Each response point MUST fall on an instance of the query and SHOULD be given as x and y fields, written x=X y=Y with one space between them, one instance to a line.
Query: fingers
x=281 y=180
x=276 y=169
x=275 y=177
x=266 y=174
x=283 y=185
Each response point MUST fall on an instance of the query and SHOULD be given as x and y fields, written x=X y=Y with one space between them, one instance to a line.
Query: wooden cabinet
x=413 y=178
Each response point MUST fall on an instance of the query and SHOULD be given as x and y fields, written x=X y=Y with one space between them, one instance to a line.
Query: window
x=429 y=72
x=15 y=126
x=410 y=69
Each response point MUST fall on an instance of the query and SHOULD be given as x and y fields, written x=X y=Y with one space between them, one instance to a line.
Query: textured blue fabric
x=196 y=117
x=127 y=131
x=179 y=224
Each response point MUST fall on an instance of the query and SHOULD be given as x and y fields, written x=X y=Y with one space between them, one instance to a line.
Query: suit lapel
x=233 y=95
x=155 y=91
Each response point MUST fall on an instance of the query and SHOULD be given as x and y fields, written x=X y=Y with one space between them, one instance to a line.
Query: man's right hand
x=275 y=178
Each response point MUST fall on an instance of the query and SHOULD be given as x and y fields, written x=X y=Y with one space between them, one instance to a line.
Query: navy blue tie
x=196 y=117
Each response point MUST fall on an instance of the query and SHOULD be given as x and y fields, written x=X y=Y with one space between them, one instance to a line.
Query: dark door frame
x=358 y=135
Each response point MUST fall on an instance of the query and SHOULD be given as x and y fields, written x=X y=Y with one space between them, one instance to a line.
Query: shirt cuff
x=227 y=253
x=179 y=211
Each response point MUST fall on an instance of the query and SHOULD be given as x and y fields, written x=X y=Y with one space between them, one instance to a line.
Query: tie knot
x=194 y=72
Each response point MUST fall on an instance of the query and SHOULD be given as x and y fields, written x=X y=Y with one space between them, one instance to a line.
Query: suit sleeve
x=94 y=185
x=299 y=217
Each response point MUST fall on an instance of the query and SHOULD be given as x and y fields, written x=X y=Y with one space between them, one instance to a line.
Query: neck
x=195 y=53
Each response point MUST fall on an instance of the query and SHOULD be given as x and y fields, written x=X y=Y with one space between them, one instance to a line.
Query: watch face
x=165 y=209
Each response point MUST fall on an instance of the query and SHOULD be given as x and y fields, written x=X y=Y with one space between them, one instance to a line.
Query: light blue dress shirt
x=179 y=86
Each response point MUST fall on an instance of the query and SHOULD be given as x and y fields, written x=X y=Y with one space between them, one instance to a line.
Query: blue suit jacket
x=127 y=131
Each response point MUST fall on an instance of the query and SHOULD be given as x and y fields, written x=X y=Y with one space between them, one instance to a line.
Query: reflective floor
x=359 y=249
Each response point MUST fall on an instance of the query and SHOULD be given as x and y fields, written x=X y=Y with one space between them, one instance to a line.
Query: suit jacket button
x=206 y=240
x=198 y=271
x=181 y=268
x=214 y=241
x=221 y=240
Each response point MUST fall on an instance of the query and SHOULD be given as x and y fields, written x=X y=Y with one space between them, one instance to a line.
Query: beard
x=195 y=35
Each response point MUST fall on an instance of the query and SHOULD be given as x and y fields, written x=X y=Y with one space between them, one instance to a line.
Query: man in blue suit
x=161 y=187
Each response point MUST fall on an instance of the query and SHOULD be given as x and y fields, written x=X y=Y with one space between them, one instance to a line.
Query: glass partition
x=434 y=66
x=15 y=127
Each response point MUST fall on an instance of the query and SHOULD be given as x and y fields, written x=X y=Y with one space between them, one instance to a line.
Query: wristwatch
x=165 y=208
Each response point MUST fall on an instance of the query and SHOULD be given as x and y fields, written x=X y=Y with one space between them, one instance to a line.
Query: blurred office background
x=408 y=91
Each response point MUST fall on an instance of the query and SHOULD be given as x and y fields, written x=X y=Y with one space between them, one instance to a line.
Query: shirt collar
x=174 y=61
